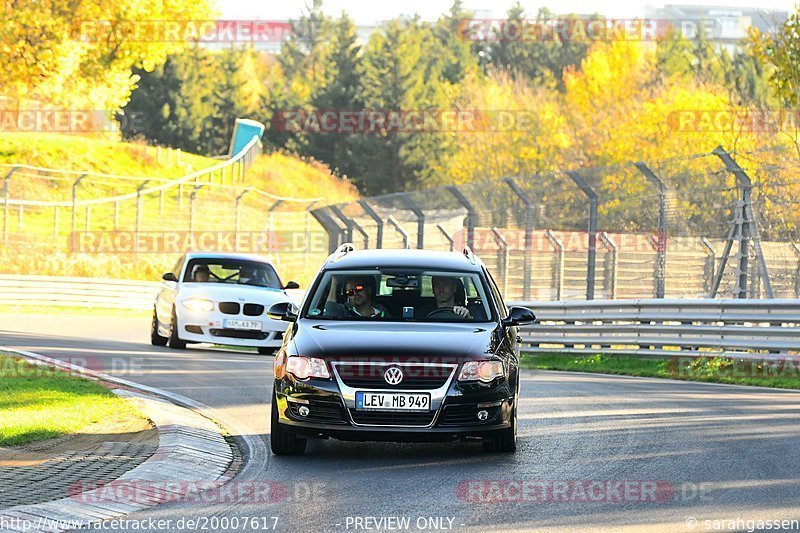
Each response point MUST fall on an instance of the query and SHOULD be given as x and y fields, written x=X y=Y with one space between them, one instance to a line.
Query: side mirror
x=169 y=276
x=519 y=316
x=282 y=311
x=292 y=285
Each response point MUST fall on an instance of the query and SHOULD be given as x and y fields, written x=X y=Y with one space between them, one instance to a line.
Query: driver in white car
x=444 y=291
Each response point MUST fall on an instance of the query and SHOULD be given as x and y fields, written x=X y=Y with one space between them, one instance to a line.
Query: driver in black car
x=359 y=292
x=444 y=292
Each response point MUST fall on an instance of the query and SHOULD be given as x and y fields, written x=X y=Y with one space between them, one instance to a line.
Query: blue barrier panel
x=243 y=132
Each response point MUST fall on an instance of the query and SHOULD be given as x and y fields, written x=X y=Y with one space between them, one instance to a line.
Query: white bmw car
x=219 y=299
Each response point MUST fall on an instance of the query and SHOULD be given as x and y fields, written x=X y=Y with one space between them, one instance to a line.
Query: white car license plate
x=393 y=401
x=242 y=324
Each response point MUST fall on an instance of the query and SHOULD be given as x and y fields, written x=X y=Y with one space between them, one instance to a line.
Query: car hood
x=337 y=340
x=232 y=293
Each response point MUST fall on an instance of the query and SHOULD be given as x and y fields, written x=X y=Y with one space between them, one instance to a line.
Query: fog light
x=303 y=410
x=483 y=414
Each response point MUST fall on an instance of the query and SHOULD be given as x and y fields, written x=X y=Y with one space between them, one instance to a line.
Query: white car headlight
x=198 y=305
x=484 y=371
x=307 y=367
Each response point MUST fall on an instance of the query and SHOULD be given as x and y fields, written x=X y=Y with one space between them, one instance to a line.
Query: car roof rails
x=342 y=251
x=469 y=255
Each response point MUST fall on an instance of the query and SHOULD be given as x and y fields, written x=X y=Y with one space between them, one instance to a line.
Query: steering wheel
x=442 y=311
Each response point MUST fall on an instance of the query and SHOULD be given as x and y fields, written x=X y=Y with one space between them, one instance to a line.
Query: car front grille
x=229 y=308
x=381 y=418
x=467 y=415
x=239 y=333
x=325 y=412
x=253 y=309
x=415 y=377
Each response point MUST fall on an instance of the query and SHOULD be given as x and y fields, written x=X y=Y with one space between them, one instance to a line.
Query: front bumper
x=453 y=415
x=211 y=328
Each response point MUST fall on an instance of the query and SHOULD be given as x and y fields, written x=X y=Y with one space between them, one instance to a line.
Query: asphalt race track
x=595 y=452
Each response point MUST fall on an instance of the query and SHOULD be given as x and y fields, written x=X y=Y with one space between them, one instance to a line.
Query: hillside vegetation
x=39 y=237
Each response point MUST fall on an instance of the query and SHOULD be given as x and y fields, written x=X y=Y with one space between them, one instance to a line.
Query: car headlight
x=484 y=371
x=307 y=367
x=198 y=305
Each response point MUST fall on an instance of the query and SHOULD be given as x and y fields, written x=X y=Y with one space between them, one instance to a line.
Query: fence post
x=711 y=266
x=192 y=199
x=351 y=225
x=88 y=218
x=558 y=246
x=308 y=240
x=331 y=227
x=502 y=257
x=527 y=266
x=55 y=222
x=139 y=190
x=391 y=220
x=161 y=202
x=592 y=254
x=661 y=235
x=611 y=280
x=797 y=271
x=378 y=220
x=6 y=193
x=237 y=213
x=420 y=214
x=21 y=220
x=180 y=195
x=745 y=221
x=75 y=200
x=116 y=216
x=446 y=236
x=472 y=214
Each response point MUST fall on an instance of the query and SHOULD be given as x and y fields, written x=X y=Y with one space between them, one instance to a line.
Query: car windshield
x=399 y=296
x=231 y=271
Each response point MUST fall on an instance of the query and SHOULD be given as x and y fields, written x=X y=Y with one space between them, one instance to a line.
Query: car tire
x=281 y=441
x=262 y=350
x=504 y=440
x=174 y=340
x=155 y=338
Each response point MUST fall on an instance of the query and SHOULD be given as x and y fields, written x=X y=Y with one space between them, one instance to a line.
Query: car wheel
x=262 y=350
x=155 y=338
x=281 y=441
x=174 y=341
x=504 y=440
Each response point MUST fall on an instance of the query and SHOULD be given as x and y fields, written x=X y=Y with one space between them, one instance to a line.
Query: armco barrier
x=101 y=293
x=77 y=292
x=663 y=326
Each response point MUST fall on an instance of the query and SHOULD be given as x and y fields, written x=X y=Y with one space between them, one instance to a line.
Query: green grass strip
x=781 y=374
x=38 y=403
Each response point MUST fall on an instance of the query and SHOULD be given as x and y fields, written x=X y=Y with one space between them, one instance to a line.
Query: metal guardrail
x=77 y=292
x=666 y=327
x=645 y=327
x=55 y=291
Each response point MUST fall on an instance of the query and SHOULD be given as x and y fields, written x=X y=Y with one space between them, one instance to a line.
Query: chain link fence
x=713 y=225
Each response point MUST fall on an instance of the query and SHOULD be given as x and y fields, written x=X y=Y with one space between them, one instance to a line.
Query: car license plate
x=242 y=324
x=393 y=401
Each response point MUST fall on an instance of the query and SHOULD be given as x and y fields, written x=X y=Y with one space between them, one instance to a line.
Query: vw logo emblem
x=393 y=375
